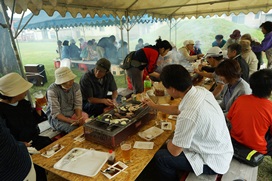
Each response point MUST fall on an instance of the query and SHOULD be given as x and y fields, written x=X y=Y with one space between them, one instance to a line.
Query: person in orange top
x=250 y=116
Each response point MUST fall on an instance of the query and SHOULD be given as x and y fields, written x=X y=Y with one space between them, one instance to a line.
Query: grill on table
x=111 y=135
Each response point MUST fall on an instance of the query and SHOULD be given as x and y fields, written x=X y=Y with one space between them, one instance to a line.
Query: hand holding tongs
x=117 y=107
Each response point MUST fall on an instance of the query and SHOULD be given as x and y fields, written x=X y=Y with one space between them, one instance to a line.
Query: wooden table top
x=139 y=157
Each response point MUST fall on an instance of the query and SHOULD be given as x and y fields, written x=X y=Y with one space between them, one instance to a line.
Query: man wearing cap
x=95 y=85
x=21 y=118
x=214 y=57
x=219 y=41
x=234 y=38
x=185 y=51
x=64 y=108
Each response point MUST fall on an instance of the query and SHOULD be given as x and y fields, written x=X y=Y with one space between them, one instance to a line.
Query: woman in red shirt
x=251 y=115
x=146 y=59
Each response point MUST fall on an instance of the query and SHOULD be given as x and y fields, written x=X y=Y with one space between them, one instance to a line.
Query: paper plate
x=150 y=133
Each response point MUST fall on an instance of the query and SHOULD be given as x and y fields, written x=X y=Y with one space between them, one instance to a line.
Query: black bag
x=127 y=61
x=246 y=155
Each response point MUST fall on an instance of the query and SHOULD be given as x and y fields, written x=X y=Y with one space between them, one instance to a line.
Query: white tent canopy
x=157 y=9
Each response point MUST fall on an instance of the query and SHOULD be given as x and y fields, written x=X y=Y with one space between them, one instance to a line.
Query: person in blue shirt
x=197 y=49
x=74 y=50
x=219 y=41
x=65 y=52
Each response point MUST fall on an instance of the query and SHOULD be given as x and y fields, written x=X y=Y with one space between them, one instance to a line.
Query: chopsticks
x=141 y=105
x=118 y=110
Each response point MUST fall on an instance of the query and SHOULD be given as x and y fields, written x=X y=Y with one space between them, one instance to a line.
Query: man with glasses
x=95 y=85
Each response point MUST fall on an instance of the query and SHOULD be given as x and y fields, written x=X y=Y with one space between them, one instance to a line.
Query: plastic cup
x=40 y=98
x=126 y=151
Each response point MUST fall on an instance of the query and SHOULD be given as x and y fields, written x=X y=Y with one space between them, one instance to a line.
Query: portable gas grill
x=111 y=135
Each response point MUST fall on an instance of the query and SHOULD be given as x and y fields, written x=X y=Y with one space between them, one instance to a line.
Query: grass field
x=44 y=53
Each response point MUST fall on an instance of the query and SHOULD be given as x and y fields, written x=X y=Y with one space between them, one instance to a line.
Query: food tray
x=82 y=161
x=150 y=133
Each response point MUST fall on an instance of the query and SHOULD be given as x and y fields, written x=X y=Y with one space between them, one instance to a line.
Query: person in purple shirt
x=266 y=44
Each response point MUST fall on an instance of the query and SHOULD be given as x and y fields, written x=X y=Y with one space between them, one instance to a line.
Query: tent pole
x=170 y=29
x=84 y=32
x=3 y=6
x=57 y=34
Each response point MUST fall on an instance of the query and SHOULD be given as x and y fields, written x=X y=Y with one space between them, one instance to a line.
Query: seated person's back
x=250 y=116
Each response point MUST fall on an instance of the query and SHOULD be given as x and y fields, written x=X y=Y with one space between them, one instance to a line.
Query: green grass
x=200 y=29
x=44 y=53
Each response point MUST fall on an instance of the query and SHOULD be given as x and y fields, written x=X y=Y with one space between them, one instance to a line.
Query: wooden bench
x=237 y=170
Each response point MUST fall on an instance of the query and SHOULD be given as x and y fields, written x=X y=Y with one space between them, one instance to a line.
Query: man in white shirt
x=201 y=141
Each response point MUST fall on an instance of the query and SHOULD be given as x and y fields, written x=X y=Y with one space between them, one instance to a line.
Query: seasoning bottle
x=147 y=83
x=111 y=158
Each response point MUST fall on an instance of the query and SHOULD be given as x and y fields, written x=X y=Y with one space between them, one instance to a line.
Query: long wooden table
x=139 y=158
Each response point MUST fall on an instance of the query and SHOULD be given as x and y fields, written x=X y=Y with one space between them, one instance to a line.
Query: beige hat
x=188 y=42
x=13 y=84
x=64 y=74
x=245 y=44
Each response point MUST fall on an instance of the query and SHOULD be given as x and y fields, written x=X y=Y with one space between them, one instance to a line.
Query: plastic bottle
x=111 y=159
x=147 y=84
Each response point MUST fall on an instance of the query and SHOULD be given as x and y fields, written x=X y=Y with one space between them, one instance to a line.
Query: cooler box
x=117 y=70
x=35 y=74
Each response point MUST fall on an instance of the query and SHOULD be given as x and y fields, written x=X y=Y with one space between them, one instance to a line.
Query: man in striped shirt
x=201 y=142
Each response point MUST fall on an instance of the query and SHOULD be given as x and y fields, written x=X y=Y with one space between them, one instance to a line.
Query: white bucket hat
x=13 y=84
x=64 y=74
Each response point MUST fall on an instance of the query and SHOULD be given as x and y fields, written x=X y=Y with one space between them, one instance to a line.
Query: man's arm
x=218 y=89
x=105 y=101
x=173 y=149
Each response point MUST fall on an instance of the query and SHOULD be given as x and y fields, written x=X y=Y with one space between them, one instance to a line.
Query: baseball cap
x=214 y=52
x=13 y=84
x=103 y=64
